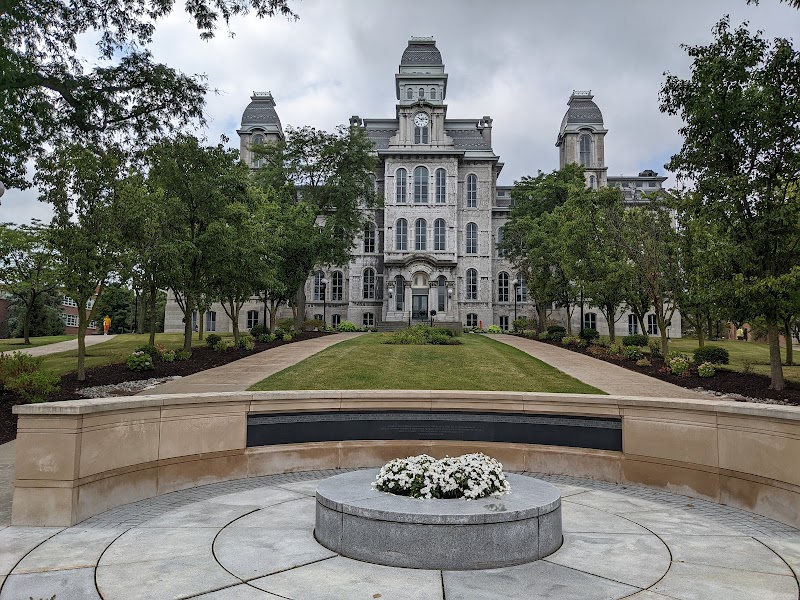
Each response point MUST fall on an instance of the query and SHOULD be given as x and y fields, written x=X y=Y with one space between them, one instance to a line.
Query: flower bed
x=469 y=476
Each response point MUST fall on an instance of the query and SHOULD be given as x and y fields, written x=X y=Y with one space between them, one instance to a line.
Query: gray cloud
x=516 y=61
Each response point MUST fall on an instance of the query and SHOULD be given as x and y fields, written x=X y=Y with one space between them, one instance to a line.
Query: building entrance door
x=419 y=307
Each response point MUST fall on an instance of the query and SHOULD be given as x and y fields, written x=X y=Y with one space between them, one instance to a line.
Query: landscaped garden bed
x=203 y=358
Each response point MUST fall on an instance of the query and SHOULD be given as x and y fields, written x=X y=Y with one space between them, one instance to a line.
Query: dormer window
x=433 y=93
x=409 y=94
x=421 y=92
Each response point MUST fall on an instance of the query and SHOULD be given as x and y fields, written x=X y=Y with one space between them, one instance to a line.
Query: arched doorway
x=419 y=296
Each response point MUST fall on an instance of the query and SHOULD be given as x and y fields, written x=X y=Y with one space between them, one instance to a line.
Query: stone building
x=433 y=245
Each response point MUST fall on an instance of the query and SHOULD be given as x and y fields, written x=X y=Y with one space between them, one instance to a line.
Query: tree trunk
x=787 y=333
x=26 y=323
x=152 y=314
x=541 y=314
x=273 y=313
x=300 y=315
x=700 y=337
x=235 y=324
x=776 y=370
x=611 y=312
x=81 y=344
x=640 y=318
x=187 y=324
x=201 y=323
x=266 y=296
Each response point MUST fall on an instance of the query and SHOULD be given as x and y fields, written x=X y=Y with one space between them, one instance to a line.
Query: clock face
x=421 y=119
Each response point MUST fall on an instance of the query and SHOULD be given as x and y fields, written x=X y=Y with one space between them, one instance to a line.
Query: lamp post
x=516 y=287
x=323 y=284
x=450 y=292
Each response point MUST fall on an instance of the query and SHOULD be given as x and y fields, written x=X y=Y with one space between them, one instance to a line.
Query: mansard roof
x=421 y=51
x=261 y=111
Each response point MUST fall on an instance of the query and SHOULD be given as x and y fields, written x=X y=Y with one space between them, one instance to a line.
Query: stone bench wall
x=77 y=459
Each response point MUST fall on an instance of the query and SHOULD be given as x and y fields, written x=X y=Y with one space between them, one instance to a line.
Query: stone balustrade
x=79 y=458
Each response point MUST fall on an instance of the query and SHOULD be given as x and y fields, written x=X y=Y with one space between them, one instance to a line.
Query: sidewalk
x=91 y=340
x=610 y=378
x=241 y=374
x=6 y=481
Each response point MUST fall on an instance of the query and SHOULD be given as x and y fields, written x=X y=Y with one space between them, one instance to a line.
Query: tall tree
x=198 y=183
x=741 y=151
x=82 y=184
x=47 y=91
x=330 y=173
x=27 y=268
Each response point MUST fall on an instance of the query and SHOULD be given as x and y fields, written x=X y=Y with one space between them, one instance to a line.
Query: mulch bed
x=743 y=387
x=203 y=358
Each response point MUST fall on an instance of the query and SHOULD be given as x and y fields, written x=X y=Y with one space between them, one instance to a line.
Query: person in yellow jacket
x=106 y=324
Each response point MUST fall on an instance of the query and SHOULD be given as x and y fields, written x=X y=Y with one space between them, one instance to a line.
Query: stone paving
x=253 y=539
x=612 y=379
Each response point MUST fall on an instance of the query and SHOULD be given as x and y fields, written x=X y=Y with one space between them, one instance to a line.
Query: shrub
x=655 y=349
x=643 y=362
x=706 y=370
x=589 y=334
x=246 y=342
x=570 y=340
x=712 y=354
x=614 y=350
x=347 y=326
x=152 y=351
x=494 y=329
x=677 y=354
x=635 y=339
x=168 y=356
x=34 y=387
x=286 y=324
x=312 y=324
x=679 y=365
x=439 y=331
x=632 y=352
x=258 y=330
x=596 y=350
x=212 y=339
x=16 y=364
x=287 y=337
x=140 y=361
x=556 y=332
x=280 y=332
x=266 y=338
x=544 y=336
x=438 y=339
x=222 y=345
x=182 y=355
x=522 y=324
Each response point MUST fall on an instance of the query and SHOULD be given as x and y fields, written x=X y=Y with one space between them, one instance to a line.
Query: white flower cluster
x=468 y=476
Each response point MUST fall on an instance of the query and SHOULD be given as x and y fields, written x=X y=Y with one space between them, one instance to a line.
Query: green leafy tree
x=27 y=269
x=44 y=318
x=330 y=174
x=83 y=183
x=48 y=91
x=741 y=153
x=198 y=184
x=119 y=303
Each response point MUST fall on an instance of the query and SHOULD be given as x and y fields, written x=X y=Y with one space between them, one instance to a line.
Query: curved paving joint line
x=252 y=539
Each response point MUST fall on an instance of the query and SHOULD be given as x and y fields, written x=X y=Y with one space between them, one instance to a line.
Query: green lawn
x=479 y=364
x=114 y=351
x=742 y=353
x=9 y=345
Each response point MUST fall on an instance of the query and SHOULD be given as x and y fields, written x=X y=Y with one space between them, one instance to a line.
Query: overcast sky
x=517 y=61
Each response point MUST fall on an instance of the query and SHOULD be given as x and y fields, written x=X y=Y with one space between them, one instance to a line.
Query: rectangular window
x=72 y=320
x=504 y=322
x=368 y=320
x=633 y=324
x=652 y=325
x=590 y=321
x=651 y=184
x=472 y=320
x=67 y=301
x=252 y=318
x=211 y=321
x=337 y=285
x=441 y=186
x=335 y=320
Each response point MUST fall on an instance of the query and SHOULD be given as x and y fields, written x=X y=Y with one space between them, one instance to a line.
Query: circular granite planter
x=358 y=521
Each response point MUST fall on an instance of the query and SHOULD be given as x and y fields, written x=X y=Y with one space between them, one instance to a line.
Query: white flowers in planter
x=469 y=476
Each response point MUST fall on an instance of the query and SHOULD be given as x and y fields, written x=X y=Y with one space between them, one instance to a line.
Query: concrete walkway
x=91 y=340
x=241 y=374
x=612 y=379
x=7 y=455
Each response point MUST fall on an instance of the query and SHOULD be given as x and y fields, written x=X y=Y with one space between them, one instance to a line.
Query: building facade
x=433 y=244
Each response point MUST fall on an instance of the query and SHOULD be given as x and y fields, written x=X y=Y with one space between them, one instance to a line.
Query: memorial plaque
x=600 y=433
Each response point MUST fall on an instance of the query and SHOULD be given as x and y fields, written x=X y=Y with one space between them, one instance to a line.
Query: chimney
x=485 y=127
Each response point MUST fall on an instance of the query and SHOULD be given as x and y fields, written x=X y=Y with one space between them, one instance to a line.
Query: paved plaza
x=253 y=539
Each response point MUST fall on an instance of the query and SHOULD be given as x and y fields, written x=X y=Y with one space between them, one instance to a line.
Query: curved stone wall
x=77 y=459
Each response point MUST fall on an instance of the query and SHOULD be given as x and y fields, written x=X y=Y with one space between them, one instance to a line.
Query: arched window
x=499 y=240
x=502 y=287
x=421 y=234
x=472 y=238
x=439 y=234
x=433 y=93
x=472 y=191
x=421 y=92
x=472 y=320
x=592 y=182
x=318 y=277
x=369 y=238
x=652 y=325
x=369 y=284
x=590 y=321
x=522 y=289
x=409 y=93
x=373 y=181
x=252 y=318
x=399 y=291
x=585 y=158
x=441 y=286
x=400 y=185
x=401 y=235
x=633 y=324
x=211 y=321
x=420 y=185
x=337 y=285
x=472 y=284
x=368 y=320
x=256 y=140
x=441 y=186
x=318 y=317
